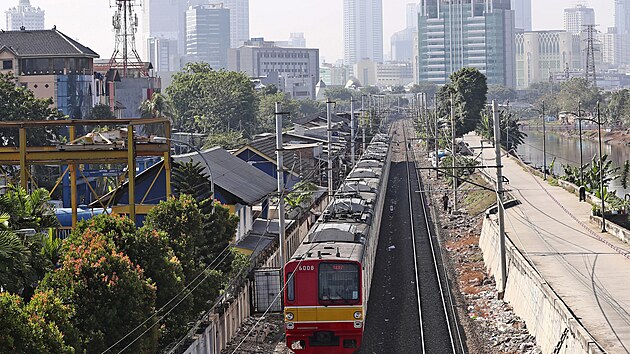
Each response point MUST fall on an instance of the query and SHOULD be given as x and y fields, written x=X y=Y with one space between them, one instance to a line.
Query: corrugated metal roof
x=43 y=43
x=234 y=175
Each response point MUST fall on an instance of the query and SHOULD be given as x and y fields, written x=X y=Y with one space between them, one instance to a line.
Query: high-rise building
x=402 y=44
x=208 y=34
x=297 y=68
x=577 y=17
x=162 y=44
x=621 y=36
x=26 y=16
x=454 y=35
x=522 y=15
x=239 y=20
x=297 y=40
x=362 y=30
x=622 y=16
x=412 y=15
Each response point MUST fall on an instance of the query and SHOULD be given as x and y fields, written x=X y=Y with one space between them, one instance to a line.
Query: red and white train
x=329 y=276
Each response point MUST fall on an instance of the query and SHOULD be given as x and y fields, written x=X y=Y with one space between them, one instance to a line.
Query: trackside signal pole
x=435 y=143
x=352 y=129
x=329 y=173
x=500 y=210
x=280 y=171
x=453 y=146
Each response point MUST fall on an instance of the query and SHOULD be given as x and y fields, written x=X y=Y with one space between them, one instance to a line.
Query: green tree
x=149 y=249
x=338 y=94
x=267 y=108
x=508 y=124
x=468 y=88
x=619 y=107
x=427 y=87
x=110 y=295
x=16 y=271
x=101 y=111
x=159 y=106
x=20 y=104
x=22 y=211
x=228 y=140
x=192 y=236
x=32 y=328
x=501 y=93
x=574 y=90
x=218 y=101
x=398 y=89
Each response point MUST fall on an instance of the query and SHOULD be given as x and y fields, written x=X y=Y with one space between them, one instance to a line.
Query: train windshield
x=339 y=282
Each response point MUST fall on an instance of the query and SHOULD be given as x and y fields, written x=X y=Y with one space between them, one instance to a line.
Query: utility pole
x=500 y=210
x=352 y=129
x=544 y=143
x=453 y=153
x=280 y=171
x=507 y=128
x=329 y=173
x=579 y=112
x=435 y=144
x=363 y=119
x=601 y=172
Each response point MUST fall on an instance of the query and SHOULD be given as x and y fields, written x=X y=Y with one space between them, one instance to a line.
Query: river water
x=567 y=152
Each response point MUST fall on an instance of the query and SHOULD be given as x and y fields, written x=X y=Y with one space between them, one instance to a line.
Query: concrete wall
x=546 y=315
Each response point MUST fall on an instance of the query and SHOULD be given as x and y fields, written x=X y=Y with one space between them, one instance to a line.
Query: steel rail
x=439 y=275
x=413 y=239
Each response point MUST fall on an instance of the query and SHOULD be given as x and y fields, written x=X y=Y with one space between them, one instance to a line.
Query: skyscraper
x=522 y=15
x=239 y=21
x=24 y=15
x=208 y=34
x=577 y=17
x=160 y=39
x=453 y=35
x=362 y=30
x=622 y=16
x=412 y=15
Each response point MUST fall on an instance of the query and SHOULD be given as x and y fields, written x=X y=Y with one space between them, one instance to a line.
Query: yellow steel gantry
x=24 y=155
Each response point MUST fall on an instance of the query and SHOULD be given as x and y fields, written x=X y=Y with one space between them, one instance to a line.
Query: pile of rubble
x=490 y=324
x=259 y=335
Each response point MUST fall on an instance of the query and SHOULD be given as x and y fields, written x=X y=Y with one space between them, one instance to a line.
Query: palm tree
x=25 y=258
x=14 y=258
x=159 y=106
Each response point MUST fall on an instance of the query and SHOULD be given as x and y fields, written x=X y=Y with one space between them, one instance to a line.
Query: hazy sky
x=320 y=20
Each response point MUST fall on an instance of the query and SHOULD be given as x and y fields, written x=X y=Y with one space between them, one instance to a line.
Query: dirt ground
x=490 y=324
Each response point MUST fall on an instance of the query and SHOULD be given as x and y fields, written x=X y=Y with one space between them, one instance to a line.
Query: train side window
x=291 y=287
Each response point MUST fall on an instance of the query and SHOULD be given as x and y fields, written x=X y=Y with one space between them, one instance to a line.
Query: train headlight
x=289 y=316
x=358 y=315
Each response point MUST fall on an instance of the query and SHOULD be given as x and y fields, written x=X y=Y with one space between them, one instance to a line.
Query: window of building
x=7 y=64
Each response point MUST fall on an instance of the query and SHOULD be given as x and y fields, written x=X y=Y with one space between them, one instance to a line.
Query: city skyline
x=323 y=26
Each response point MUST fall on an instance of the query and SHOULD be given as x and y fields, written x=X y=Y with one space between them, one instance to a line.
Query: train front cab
x=323 y=306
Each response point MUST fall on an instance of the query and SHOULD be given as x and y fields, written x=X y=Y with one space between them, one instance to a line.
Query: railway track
x=411 y=309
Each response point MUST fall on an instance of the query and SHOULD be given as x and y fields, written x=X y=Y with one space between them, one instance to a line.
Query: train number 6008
x=306 y=268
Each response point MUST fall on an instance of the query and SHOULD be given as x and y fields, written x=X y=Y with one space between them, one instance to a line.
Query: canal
x=567 y=152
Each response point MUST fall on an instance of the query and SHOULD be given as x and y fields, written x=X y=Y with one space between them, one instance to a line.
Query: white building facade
x=540 y=55
x=24 y=16
x=362 y=30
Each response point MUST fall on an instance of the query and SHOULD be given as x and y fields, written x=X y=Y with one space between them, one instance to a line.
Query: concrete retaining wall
x=546 y=315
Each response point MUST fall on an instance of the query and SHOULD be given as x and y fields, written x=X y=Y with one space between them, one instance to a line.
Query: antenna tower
x=590 y=53
x=125 y=23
